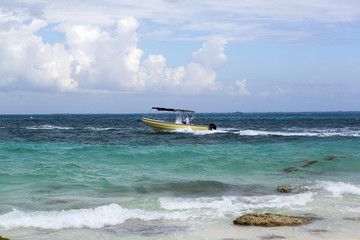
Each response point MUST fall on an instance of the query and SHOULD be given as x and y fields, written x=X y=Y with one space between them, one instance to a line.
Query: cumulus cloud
x=101 y=53
x=97 y=59
x=27 y=63
x=102 y=59
x=211 y=55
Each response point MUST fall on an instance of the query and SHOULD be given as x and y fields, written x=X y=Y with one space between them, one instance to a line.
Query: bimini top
x=172 y=110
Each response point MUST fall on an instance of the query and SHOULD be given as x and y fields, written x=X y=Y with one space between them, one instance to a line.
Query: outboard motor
x=212 y=126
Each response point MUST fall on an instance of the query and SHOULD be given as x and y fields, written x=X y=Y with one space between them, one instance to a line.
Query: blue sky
x=210 y=56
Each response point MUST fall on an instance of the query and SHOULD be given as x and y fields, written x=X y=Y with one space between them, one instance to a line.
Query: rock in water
x=331 y=157
x=308 y=163
x=269 y=220
x=284 y=189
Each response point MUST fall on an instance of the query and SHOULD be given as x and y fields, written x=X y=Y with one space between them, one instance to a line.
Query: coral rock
x=269 y=220
x=284 y=189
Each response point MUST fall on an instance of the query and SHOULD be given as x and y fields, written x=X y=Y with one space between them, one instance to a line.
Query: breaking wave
x=237 y=204
x=169 y=208
x=99 y=128
x=48 y=127
x=339 y=189
x=52 y=127
x=98 y=217
x=182 y=208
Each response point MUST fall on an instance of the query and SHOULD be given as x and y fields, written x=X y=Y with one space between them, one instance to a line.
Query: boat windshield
x=168 y=114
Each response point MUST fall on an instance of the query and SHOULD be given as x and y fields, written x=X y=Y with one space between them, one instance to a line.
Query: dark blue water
x=129 y=129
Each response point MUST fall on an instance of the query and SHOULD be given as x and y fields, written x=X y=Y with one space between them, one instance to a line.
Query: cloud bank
x=100 y=52
x=98 y=59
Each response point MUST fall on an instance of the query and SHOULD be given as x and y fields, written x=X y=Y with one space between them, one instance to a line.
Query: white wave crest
x=48 y=127
x=171 y=208
x=99 y=217
x=99 y=129
x=339 y=189
x=237 y=204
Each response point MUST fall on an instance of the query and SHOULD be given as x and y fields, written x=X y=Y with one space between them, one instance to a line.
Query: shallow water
x=110 y=176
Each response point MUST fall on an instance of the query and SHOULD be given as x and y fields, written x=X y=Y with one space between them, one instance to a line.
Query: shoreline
x=168 y=230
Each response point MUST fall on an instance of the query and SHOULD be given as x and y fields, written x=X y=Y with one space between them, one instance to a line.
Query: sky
x=111 y=56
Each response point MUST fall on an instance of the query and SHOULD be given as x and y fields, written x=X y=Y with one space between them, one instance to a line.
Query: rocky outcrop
x=284 y=189
x=2 y=238
x=269 y=220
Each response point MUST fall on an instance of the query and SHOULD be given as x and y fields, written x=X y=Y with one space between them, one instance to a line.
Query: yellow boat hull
x=161 y=126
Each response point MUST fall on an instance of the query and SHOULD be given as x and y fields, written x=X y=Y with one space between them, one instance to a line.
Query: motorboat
x=162 y=120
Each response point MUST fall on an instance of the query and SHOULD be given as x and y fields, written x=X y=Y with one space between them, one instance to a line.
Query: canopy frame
x=172 y=110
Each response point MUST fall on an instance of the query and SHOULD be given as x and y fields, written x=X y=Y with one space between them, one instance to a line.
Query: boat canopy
x=172 y=110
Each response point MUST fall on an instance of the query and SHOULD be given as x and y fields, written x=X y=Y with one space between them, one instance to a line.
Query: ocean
x=111 y=177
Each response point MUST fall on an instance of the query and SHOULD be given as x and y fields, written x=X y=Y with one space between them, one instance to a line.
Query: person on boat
x=186 y=121
x=192 y=120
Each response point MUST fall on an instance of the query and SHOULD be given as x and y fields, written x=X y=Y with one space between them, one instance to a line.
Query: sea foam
x=98 y=217
x=339 y=189
x=302 y=133
x=171 y=208
x=99 y=128
x=237 y=204
x=198 y=132
x=48 y=127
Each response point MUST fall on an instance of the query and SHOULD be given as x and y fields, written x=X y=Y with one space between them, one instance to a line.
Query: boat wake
x=199 y=132
x=322 y=133
x=302 y=133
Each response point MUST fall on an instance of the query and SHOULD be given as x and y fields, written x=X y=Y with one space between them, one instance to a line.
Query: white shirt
x=187 y=121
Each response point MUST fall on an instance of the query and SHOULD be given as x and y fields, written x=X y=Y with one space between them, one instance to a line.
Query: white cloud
x=232 y=20
x=98 y=59
x=241 y=87
x=101 y=52
x=155 y=75
x=238 y=88
x=199 y=78
x=277 y=92
x=211 y=55
x=26 y=62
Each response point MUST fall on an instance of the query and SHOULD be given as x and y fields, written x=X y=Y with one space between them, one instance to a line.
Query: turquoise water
x=111 y=177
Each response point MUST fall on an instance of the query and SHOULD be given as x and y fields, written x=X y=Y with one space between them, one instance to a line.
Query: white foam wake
x=198 y=132
x=302 y=133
